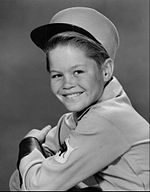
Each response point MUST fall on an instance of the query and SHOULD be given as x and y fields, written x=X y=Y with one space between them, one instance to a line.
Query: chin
x=74 y=108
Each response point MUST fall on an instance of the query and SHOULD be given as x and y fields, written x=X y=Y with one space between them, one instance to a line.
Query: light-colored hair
x=92 y=49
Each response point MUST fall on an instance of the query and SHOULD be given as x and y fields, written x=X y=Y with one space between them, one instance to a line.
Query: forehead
x=68 y=56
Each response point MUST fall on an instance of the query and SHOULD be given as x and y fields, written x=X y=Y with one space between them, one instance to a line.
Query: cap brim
x=42 y=34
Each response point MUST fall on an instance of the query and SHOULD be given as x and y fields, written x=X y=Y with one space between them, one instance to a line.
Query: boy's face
x=76 y=80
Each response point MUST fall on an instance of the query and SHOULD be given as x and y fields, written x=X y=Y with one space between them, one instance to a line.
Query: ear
x=107 y=69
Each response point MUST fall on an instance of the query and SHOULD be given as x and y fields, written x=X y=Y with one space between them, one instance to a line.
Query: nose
x=69 y=82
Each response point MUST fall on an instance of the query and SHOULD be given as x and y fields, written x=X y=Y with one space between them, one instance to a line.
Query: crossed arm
x=88 y=150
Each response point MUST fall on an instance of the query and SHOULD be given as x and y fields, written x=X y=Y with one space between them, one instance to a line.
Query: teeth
x=73 y=95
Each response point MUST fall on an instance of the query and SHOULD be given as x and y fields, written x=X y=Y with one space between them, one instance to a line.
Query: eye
x=56 y=76
x=77 y=72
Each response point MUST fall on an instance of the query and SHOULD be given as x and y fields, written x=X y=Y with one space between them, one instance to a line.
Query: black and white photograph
x=74 y=95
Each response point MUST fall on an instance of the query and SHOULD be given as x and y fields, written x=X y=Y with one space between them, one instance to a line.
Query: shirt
x=107 y=147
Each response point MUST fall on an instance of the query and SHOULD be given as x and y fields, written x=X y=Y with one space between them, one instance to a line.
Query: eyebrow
x=54 y=71
x=73 y=67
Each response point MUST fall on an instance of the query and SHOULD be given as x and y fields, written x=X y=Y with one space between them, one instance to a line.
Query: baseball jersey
x=107 y=147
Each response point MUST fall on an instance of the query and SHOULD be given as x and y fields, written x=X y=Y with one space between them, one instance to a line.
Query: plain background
x=26 y=101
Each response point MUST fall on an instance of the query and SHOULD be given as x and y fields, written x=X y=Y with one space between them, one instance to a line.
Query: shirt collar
x=112 y=90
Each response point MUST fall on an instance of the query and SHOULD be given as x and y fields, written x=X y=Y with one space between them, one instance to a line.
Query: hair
x=92 y=49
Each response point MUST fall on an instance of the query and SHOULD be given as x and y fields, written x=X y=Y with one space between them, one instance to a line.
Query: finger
x=46 y=129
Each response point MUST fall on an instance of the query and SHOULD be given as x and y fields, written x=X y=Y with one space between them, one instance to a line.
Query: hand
x=39 y=134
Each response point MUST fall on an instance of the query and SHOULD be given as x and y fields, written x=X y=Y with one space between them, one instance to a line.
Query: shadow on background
x=25 y=98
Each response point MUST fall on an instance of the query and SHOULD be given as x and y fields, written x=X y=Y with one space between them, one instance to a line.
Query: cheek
x=53 y=87
x=96 y=85
x=93 y=82
x=56 y=86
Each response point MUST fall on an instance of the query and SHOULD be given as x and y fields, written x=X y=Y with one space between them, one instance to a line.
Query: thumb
x=46 y=129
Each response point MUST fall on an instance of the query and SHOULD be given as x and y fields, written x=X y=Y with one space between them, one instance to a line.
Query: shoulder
x=96 y=128
x=96 y=120
x=105 y=117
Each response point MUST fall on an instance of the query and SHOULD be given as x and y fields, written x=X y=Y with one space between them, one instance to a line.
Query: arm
x=91 y=147
x=51 y=144
x=28 y=144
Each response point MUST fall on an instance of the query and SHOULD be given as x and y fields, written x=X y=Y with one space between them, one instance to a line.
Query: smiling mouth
x=73 y=95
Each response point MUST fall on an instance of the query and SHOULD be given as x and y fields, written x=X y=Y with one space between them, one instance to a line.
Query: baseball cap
x=84 y=20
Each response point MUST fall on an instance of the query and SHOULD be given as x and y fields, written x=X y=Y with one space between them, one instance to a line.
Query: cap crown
x=94 y=22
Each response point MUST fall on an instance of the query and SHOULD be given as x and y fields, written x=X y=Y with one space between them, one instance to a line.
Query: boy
x=102 y=138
